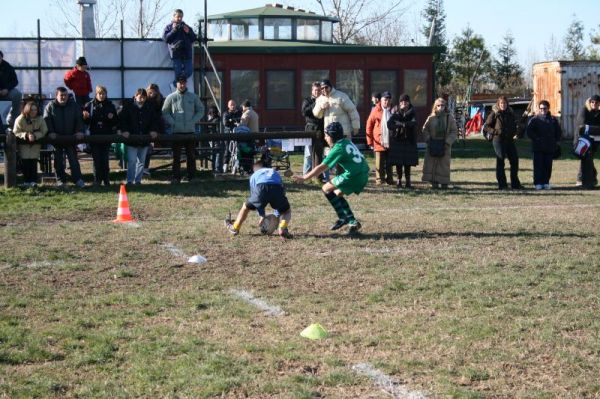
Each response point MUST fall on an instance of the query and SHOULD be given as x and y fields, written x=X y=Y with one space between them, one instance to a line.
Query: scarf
x=440 y=128
x=385 y=132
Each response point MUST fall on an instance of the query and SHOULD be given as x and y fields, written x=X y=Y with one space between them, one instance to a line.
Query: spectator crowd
x=391 y=128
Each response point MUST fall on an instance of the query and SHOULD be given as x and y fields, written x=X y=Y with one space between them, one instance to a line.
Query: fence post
x=10 y=161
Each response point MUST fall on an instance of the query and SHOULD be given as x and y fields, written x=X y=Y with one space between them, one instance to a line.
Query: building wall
x=566 y=85
x=405 y=68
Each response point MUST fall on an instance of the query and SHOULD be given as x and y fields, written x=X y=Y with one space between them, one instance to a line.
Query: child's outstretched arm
x=314 y=172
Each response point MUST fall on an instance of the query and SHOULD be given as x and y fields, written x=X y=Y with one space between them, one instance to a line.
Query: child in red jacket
x=78 y=80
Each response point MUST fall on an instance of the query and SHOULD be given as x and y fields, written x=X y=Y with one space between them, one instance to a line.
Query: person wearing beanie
x=78 y=79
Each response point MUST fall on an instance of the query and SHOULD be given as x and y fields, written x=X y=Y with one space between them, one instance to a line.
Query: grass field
x=465 y=293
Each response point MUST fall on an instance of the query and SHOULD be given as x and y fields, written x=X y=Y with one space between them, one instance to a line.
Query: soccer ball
x=269 y=224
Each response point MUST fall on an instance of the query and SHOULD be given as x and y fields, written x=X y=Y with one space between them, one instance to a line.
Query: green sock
x=346 y=209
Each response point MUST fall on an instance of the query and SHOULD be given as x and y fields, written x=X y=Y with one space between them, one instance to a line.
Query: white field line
x=35 y=264
x=498 y=208
x=387 y=383
x=174 y=250
x=247 y=297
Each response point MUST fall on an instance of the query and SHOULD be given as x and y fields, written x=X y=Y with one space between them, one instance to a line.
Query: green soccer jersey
x=345 y=153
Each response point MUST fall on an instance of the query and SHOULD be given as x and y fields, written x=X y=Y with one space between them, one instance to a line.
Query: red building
x=271 y=55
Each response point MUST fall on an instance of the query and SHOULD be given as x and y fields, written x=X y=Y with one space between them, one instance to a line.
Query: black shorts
x=268 y=194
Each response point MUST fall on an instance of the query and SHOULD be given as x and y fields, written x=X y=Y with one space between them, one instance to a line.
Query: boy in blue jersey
x=353 y=180
x=266 y=188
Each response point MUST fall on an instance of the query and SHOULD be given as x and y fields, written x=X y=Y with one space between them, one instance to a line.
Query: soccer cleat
x=284 y=233
x=232 y=230
x=354 y=226
x=339 y=224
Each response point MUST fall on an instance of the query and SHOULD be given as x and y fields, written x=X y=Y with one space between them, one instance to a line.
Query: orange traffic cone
x=123 y=214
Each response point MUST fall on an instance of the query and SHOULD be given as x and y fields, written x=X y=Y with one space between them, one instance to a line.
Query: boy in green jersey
x=353 y=180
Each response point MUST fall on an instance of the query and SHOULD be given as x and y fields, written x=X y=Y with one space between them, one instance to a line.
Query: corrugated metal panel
x=566 y=85
x=580 y=81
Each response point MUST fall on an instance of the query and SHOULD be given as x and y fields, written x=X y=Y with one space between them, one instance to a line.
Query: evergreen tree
x=471 y=64
x=434 y=11
x=574 y=40
x=507 y=73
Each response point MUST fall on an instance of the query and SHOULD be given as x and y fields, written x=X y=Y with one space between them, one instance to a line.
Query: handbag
x=557 y=152
x=437 y=147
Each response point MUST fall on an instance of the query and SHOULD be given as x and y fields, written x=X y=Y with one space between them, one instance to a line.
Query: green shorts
x=351 y=184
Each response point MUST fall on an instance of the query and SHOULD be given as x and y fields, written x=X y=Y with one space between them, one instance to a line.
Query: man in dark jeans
x=180 y=39
x=64 y=118
x=8 y=89
x=313 y=156
x=182 y=110
x=231 y=118
x=588 y=119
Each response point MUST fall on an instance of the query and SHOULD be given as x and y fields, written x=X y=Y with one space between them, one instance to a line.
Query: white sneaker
x=538 y=186
x=61 y=184
x=547 y=187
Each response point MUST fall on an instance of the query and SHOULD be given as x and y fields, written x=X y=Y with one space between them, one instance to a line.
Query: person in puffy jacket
x=100 y=115
x=501 y=128
x=335 y=106
x=544 y=132
x=138 y=118
x=29 y=128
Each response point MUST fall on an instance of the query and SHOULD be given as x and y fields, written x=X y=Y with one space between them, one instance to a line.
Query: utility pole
x=141 y=19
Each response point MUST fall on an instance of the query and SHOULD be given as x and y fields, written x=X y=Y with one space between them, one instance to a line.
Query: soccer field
x=466 y=293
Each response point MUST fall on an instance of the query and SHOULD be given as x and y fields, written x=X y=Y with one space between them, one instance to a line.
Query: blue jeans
x=59 y=163
x=182 y=67
x=307 y=159
x=136 y=156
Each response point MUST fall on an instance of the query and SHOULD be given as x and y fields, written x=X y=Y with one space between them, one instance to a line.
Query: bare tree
x=150 y=14
x=355 y=16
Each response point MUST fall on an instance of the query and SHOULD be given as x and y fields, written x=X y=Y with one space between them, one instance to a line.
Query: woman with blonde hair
x=29 y=128
x=439 y=132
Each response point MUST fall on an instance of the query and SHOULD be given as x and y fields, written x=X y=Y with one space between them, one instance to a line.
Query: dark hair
x=376 y=94
x=246 y=103
x=27 y=108
x=178 y=11
x=61 y=89
x=325 y=82
x=544 y=102
x=140 y=91
x=595 y=98
x=316 y=84
x=501 y=98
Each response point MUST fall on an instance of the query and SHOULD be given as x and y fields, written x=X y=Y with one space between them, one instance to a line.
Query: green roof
x=271 y=11
x=300 y=47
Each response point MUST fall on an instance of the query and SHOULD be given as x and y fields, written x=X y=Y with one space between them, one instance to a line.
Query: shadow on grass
x=418 y=235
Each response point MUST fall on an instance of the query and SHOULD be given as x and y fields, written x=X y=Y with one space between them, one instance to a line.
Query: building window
x=245 y=86
x=214 y=86
x=385 y=81
x=280 y=90
x=244 y=29
x=415 y=85
x=327 y=31
x=350 y=81
x=277 y=29
x=218 y=30
x=307 y=29
x=309 y=76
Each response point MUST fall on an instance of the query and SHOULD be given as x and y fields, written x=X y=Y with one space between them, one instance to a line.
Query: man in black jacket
x=63 y=117
x=589 y=117
x=313 y=124
x=8 y=90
